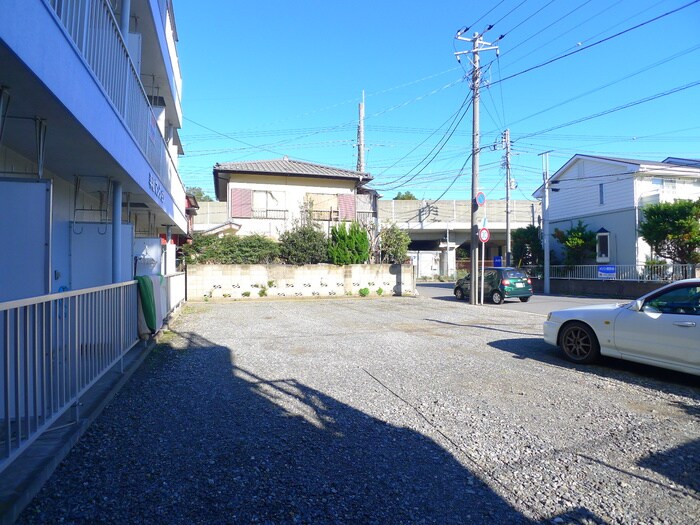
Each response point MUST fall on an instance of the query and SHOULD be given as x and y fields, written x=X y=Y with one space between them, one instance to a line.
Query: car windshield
x=514 y=274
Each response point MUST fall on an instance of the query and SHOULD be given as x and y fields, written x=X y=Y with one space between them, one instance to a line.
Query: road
x=538 y=304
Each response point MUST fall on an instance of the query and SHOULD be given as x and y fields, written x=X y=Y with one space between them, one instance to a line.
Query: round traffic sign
x=484 y=235
x=480 y=198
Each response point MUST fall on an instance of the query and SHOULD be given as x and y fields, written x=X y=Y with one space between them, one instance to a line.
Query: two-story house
x=609 y=194
x=268 y=197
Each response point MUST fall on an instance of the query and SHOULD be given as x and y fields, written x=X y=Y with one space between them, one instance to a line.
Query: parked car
x=500 y=283
x=661 y=328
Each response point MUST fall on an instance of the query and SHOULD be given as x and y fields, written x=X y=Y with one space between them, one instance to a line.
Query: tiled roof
x=286 y=166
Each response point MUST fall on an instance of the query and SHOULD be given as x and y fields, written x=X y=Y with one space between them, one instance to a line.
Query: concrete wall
x=280 y=280
x=597 y=288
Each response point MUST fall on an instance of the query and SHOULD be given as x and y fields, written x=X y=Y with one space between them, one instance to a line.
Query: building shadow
x=680 y=464
x=196 y=438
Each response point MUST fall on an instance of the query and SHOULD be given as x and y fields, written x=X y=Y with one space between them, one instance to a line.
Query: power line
x=615 y=109
x=583 y=48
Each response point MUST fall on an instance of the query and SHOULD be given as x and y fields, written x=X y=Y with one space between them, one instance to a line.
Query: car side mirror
x=636 y=306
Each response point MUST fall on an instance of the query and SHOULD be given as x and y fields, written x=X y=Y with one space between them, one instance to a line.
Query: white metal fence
x=625 y=272
x=175 y=285
x=55 y=347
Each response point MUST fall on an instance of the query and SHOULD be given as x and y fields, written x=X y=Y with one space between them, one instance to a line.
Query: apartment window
x=601 y=193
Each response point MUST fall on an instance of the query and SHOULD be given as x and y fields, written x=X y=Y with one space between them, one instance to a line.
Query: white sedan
x=661 y=328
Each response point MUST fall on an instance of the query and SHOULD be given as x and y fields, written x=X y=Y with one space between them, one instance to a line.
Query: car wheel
x=459 y=294
x=496 y=297
x=525 y=299
x=579 y=343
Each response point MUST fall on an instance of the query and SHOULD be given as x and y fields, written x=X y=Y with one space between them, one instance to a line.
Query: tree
x=405 y=196
x=578 y=243
x=348 y=246
x=304 y=244
x=672 y=229
x=395 y=243
x=199 y=194
x=527 y=246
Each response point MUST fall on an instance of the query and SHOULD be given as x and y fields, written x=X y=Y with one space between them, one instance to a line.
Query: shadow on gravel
x=492 y=327
x=608 y=367
x=680 y=464
x=193 y=438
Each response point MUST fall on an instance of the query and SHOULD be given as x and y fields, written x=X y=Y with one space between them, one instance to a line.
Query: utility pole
x=361 y=137
x=478 y=45
x=545 y=218
x=509 y=250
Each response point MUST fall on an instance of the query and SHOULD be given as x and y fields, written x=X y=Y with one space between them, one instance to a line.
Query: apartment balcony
x=71 y=78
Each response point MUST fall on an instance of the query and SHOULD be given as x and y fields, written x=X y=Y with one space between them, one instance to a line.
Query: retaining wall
x=238 y=281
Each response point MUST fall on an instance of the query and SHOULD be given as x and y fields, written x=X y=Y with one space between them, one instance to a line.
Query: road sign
x=484 y=235
x=480 y=198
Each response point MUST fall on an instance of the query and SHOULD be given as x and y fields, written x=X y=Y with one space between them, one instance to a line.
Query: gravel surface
x=392 y=410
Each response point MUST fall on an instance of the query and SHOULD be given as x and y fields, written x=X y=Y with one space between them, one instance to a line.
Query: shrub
x=251 y=249
x=364 y=292
x=380 y=291
x=246 y=294
x=348 y=245
x=395 y=243
x=262 y=292
x=304 y=244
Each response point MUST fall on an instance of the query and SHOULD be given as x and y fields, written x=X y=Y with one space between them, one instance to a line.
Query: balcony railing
x=55 y=347
x=270 y=214
x=96 y=34
x=324 y=215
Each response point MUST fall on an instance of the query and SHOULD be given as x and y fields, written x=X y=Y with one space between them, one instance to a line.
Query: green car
x=499 y=284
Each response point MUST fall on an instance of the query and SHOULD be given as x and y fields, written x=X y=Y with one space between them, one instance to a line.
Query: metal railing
x=270 y=214
x=174 y=291
x=55 y=347
x=324 y=215
x=625 y=272
x=96 y=34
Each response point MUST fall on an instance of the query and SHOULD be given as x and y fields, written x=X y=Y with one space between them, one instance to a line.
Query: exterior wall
x=288 y=195
x=278 y=280
x=579 y=190
x=621 y=225
x=599 y=288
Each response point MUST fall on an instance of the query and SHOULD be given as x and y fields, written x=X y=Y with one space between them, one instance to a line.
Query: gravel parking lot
x=391 y=410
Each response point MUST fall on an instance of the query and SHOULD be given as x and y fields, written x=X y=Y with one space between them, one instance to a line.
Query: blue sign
x=607 y=271
x=497 y=261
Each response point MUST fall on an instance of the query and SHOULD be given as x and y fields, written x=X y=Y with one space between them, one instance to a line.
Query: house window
x=669 y=185
x=601 y=193
x=602 y=246
x=268 y=205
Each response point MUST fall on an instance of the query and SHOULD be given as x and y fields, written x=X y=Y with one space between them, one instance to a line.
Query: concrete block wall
x=239 y=281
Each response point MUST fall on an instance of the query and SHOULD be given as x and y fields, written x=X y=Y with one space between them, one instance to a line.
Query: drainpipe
x=124 y=19
x=116 y=231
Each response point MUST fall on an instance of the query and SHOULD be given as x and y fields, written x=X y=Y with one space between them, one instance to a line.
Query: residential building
x=608 y=195
x=89 y=112
x=269 y=197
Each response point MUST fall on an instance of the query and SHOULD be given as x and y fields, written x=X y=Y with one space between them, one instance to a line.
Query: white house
x=609 y=194
x=267 y=197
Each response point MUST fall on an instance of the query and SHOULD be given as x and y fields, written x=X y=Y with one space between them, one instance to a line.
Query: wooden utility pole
x=478 y=45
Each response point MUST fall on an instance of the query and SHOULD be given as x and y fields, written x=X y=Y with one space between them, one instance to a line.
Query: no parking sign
x=484 y=235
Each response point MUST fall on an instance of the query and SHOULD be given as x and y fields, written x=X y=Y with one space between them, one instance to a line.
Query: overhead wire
x=596 y=43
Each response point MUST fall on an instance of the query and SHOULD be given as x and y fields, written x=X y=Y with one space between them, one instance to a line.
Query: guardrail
x=175 y=289
x=625 y=272
x=55 y=347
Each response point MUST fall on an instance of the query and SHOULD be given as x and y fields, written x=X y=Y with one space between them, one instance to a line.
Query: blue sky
x=268 y=79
